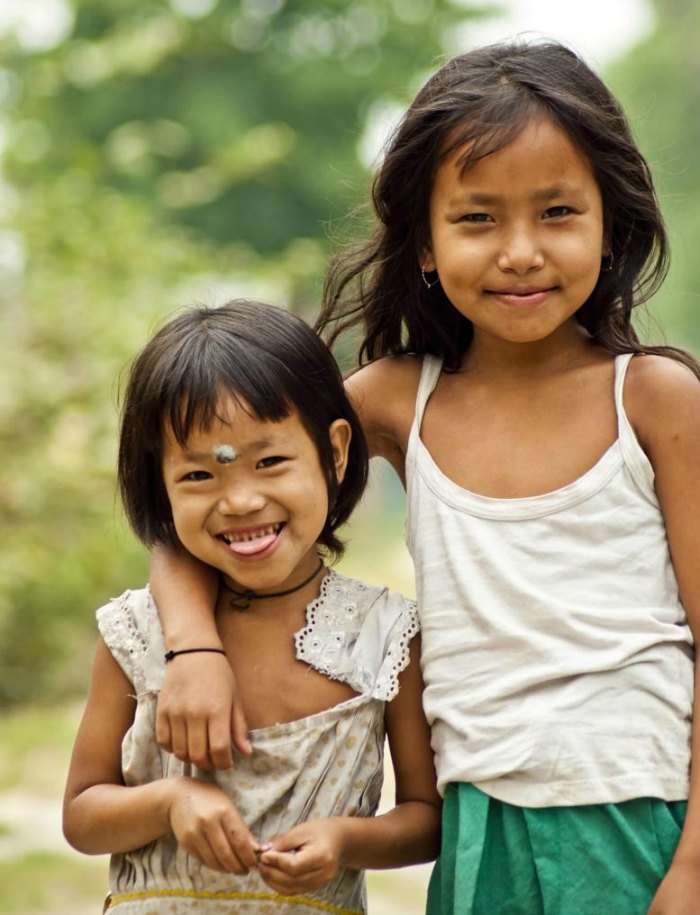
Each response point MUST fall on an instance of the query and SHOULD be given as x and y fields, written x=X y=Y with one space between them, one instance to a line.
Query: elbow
x=76 y=831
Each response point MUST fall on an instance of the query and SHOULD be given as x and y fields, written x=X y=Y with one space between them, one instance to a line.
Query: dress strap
x=633 y=454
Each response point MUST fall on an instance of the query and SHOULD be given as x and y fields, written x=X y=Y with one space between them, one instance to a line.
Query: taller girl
x=552 y=465
x=551 y=462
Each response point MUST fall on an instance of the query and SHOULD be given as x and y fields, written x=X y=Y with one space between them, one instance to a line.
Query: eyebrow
x=548 y=193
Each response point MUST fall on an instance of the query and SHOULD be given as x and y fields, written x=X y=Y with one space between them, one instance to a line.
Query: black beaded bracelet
x=169 y=655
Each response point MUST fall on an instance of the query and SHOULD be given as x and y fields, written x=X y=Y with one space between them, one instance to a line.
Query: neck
x=297 y=590
x=507 y=360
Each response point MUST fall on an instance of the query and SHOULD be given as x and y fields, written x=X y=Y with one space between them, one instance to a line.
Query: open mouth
x=249 y=541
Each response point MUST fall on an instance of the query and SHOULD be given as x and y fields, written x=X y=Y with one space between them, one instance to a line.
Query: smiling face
x=517 y=238
x=256 y=518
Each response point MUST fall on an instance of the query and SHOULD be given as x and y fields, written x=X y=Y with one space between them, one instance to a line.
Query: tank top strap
x=633 y=454
x=429 y=375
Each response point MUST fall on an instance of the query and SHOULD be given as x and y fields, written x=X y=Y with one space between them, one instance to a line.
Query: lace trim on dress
x=399 y=653
x=333 y=624
x=122 y=635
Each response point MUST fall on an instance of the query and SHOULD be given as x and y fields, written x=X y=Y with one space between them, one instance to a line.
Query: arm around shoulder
x=199 y=712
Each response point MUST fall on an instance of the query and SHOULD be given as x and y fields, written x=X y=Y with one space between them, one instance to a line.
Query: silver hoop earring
x=607 y=263
x=425 y=279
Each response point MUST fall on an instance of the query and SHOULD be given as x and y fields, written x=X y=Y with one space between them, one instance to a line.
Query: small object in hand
x=225 y=454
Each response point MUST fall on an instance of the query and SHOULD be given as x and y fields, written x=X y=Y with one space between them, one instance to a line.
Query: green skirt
x=597 y=859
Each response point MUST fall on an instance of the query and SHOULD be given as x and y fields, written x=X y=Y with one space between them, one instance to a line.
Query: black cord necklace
x=241 y=600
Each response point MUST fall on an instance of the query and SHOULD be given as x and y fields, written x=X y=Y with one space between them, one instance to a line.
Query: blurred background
x=156 y=154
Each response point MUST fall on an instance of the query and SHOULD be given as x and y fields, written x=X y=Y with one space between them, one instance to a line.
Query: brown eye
x=553 y=212
x=271 y=461
x=476 y=217
x=195 y=476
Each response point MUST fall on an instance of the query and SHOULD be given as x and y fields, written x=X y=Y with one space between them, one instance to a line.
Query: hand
x=200 y=713
x=208 y=826
x=305 y=858
x=679 y=891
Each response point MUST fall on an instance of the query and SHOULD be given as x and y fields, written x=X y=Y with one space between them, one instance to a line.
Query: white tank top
x=556 y=653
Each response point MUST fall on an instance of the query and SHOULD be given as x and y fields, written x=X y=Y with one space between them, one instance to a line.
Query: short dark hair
x=263 y=356
x=484 y=98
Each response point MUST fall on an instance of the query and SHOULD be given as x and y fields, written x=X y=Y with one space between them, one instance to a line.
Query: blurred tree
x=160 y=150
x=659 y=84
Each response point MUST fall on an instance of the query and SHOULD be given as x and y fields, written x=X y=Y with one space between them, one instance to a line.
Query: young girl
x=239 y=445
x=551 y=464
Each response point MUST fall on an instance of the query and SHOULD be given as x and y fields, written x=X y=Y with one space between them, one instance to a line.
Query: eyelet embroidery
x=333 y=623
x=121 y=634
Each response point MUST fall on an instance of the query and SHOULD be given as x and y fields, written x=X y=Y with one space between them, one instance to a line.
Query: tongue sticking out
x=249 y=547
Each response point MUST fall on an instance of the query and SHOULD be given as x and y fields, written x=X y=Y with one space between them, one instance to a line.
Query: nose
x=521 y=252
x=241 y=498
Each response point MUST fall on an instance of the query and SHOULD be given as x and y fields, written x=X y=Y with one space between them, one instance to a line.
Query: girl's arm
x=199 y=712
x=408 y=834
x=101 y=815
x=663 y=401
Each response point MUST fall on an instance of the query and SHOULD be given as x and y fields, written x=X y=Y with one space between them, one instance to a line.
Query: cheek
x=308 y=495
x=460 y=259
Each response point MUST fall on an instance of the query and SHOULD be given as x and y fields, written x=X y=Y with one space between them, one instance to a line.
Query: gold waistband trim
x=116 y=898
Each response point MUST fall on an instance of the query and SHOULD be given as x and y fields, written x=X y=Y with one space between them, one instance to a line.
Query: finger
x=289 y=886
x=163 y=736
x=240 y=838
x=198 y=846
x=301 y=864
x=292 y=840
x=178 y=732
x=278 y=881
x=244 y=845
x=220 y=744
x=224 y=852
x=197 y=744
x=239 y=729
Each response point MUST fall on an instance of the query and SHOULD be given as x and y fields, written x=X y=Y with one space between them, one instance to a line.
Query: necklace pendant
x=241 y=601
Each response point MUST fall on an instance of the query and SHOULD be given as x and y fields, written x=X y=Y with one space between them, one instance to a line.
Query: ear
x=340 y=434
x=426 y=261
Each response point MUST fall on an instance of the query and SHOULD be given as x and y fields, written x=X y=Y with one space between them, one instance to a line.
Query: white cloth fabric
x=328 y=764
x=556 y=653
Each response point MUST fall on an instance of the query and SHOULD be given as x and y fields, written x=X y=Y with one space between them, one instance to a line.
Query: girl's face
x=249 y=497
x=517 y=239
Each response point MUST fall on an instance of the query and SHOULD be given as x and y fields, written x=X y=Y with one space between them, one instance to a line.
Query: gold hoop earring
x=425 y=279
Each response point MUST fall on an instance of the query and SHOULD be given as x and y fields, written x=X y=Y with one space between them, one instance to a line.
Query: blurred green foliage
x=166 y=152
x=659 y=84
x=160 y=153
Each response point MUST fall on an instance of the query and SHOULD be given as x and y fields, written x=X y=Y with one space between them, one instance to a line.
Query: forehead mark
x=224 y=454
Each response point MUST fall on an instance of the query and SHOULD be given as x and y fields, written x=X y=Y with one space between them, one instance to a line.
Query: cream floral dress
x=329 y=764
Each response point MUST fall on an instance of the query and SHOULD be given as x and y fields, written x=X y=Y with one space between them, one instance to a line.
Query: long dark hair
x=264 y=357
x=484 y=99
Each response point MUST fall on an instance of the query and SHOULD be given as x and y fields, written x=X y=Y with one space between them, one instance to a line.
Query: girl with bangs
x=551 y=460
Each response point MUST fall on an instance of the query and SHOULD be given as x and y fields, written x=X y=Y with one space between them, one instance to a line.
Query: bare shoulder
x=384 y=395
x=662 y=400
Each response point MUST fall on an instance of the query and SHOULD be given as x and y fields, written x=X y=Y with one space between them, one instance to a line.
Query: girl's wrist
x=182 y=639
x=349 y=840
x=173 y=789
